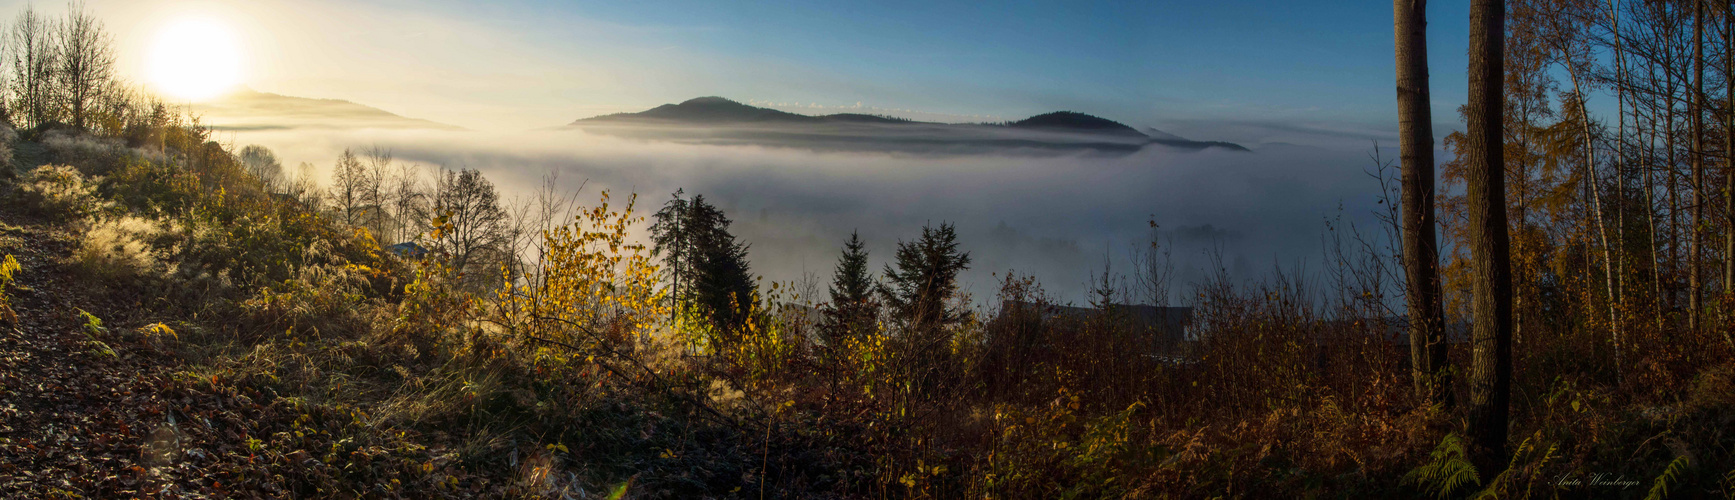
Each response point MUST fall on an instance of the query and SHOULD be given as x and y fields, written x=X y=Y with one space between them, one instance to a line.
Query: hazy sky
x=1252 y=71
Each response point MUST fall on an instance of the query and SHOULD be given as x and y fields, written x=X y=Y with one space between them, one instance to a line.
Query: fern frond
x=1671 y=476
x=1448 y=472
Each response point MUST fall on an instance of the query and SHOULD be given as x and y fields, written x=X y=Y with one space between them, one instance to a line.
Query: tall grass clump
x=116 y=248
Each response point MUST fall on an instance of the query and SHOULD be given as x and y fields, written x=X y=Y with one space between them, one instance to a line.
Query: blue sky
x=1239 y=68
x=1243 y=60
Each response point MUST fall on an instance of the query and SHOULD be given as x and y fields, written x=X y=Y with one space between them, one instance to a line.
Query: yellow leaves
x=8 y=269
x=560 y=447
x=442 y=224
x=159 y=329
x=593 y=277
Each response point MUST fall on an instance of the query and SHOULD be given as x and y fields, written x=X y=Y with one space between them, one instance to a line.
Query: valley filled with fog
x=1057 y=218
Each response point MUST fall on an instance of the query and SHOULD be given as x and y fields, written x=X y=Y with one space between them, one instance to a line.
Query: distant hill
x=716 y=110
x=712 y=110
x=716 y=120
x=1075 y=122
x=249 y=110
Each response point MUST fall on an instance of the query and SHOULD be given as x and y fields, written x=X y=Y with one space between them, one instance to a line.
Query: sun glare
x=195 y=59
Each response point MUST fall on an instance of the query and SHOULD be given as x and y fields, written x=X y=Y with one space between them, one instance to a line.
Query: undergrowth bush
x=92 y=155
x=117 y=248
x=59 y=192
x=320 y=299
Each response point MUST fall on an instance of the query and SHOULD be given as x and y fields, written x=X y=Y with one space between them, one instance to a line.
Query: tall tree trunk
x=1421 y=251
x=1728 y=166
x=1621 y=83
x=1673 y=238
x=1694 y=263
x=1490 y=245
x=1658 y=303
x=1594 y=185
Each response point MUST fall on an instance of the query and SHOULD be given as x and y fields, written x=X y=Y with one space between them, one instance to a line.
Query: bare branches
x=86 y=62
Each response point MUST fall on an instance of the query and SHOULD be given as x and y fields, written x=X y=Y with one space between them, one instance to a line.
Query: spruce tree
x=852 y=309
x=926 y=279
x=707 y=264
x=672 y=241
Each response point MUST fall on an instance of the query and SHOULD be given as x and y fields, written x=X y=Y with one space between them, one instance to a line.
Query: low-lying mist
x=1055 y=218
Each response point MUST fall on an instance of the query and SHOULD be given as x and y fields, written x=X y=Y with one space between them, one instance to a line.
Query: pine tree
x=852 y=309
x=926 y=279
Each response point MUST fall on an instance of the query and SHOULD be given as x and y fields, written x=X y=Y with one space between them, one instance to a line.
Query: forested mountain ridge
x=716 y=120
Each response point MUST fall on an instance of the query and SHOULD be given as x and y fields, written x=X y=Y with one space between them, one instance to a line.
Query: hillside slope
x=248 y=110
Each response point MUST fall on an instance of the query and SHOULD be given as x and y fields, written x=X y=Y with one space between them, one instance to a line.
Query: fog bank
x=1052 y=217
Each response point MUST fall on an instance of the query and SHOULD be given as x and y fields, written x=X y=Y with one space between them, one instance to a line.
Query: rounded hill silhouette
x=716 y=120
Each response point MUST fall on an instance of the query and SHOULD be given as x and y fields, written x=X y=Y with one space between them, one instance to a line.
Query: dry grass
x=118 y=248
x=59 y=192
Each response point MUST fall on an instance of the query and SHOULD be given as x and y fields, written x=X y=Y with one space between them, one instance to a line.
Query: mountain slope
x=248 y=110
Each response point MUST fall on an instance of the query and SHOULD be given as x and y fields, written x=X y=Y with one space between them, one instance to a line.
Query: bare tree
x=306 y=187
x=348 y=187
x=263 y=164
x=86 y=62
x=1421 y=250
x=32 y=92
x=474 y=234
x=409 y=201
x=374 y=193
x=1490 y=244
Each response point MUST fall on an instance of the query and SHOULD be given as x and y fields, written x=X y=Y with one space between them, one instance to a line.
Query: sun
x=195 y=59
